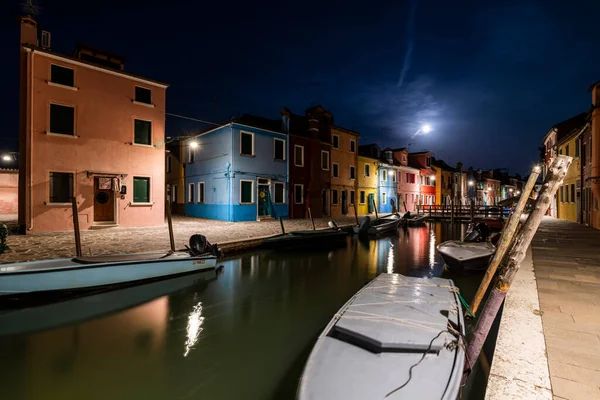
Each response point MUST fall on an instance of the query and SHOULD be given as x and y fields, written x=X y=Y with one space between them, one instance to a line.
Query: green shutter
x=143 y=132
x=141 y=190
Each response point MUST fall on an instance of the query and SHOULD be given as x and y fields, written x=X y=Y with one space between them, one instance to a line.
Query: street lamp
x=194 y=144
x=471 y=183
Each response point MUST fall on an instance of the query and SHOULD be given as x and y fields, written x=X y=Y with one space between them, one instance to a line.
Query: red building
x=422 y=162
x=310 y=161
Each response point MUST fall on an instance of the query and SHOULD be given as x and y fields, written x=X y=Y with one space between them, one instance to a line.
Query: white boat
x=397 y=338
x=389 y=223
x=79 y=273
x=466 y=256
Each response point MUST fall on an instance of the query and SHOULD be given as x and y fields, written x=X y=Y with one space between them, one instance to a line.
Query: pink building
x=9 y=183
x=88 y=130
x=408 y=181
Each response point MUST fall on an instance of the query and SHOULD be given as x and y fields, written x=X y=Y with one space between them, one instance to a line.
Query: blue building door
x=371 y=202
x=263 y=200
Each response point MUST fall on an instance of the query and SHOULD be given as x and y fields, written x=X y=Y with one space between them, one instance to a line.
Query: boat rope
x=465 y=305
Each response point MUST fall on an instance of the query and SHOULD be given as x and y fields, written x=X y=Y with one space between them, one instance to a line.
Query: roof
x=569 y=127
x=259 y=122
x=418 y=153
x=93 y=65
x=350 y=131
x=84 y=46
x=442 y=165
x=593 y=85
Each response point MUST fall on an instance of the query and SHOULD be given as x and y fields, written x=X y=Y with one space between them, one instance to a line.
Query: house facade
x=387 y=177
x=367 y=184
x=344 y=163
x=427 y=178
x=9 y=191
x=550 y=153
x=408 y=182
x=175 y=173
x=90 y=131
x=594 y=144
x=585 y=143
x=237 y=172
x=444 y=181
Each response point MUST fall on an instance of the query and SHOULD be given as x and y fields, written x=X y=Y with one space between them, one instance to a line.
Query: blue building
x=237 y=172
x=387 y=182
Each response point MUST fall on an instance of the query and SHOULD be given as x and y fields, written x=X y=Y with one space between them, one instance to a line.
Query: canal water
x=242 y=333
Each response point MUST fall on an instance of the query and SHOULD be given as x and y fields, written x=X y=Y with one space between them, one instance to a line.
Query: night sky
x=490 y=77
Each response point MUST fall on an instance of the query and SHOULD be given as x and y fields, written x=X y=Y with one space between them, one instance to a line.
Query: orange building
x=88 y=130
x=344 y=164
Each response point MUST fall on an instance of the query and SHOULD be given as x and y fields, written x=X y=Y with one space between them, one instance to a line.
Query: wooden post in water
x=170 y=224
x=472 y=210
x=375 y=208
x=355 y=213
x=556 y=174
x=282 y=228
x=76 y=226
x=505 y=240
x=311 y=220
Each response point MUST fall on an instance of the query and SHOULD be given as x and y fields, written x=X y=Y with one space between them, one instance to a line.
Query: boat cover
x=466 y=250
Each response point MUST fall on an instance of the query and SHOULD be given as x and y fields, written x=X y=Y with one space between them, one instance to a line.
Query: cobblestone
x=135 y=240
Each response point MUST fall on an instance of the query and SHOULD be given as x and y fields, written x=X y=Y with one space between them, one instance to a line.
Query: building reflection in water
x=194 y=327
x=431 y=248
x=390 y=260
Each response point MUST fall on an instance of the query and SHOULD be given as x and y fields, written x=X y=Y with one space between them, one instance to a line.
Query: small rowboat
x=415 y=219
x=397 y=338
x=386 y=224
x=466 y=256
x=308 y=238
x=79 y=273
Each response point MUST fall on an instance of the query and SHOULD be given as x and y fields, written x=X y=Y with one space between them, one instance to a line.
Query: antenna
x=29 y=7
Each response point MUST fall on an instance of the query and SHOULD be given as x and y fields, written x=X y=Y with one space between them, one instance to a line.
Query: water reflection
x=264 y=313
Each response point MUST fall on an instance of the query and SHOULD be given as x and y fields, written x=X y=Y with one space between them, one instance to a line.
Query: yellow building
x=443 y=182
x=344 y=162
x=367 y=184
x=569 y=194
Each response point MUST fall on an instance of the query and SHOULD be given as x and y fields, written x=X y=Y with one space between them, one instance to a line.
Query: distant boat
x=84 y=273
x=414 y=219
x=386 y=224
x=67 y=310
x=397 y=338
x=466 y=256
x=308 y=238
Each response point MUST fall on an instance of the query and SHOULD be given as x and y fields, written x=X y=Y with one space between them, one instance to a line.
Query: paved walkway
x=134 y=240
x=566 y=258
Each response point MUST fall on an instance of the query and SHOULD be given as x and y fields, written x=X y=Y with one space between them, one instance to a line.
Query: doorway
x=371 y=203
x=104 y=200
x=264 y=198
x=325 y=202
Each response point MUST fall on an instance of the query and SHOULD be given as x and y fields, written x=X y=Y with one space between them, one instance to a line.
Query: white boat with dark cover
x=466 y=256
x=397 y=338
x=414 y=219
x=389 y=223
x=79 y=273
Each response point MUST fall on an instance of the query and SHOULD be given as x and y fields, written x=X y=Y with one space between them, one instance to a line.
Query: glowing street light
x=518 y=192
x=537 y=168
x=471 y=183
x=432 y=177
x=194 y=144
x=390 y=172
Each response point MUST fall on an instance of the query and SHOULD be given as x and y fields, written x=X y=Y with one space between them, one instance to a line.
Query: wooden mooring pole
x=375 y=208
x=76 y=226
x=556 y=174
x=311 y=220
x=282 y=228
x=355 y=213
x=508 y=234
x=170 y=224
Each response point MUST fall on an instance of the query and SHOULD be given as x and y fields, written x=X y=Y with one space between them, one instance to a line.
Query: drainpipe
x=229 y=168
x=31 y=144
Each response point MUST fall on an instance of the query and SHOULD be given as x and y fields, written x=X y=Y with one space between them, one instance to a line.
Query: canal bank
x=550 y=348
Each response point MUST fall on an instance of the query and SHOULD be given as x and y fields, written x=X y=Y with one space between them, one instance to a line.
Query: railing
x=461 y=211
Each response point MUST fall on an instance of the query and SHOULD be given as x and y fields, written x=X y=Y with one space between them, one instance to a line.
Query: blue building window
x=279 y=193
x=246 y=192
x=279 y=149
x=246 y=143
x=383 y=198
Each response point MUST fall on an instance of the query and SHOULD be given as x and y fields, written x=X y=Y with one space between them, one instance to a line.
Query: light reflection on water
x=245 y=334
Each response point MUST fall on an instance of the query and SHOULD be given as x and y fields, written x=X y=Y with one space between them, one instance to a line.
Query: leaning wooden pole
x=170 y=223
x=76 y=226
x=311 y=219
x=375 y=208
x=508 y=234
x=556 y=174
x=282 y=227
x=355 y=212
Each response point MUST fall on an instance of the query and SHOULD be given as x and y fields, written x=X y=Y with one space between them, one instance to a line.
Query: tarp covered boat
x=308 y=238
x=466 y=256
x=389 y=223
x=397 y=338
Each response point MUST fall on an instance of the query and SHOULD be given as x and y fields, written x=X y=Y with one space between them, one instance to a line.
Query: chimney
x=29 y=30
x=285 y=120
x=313 y=126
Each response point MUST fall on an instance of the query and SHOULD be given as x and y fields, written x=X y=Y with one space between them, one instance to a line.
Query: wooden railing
x=462 y=211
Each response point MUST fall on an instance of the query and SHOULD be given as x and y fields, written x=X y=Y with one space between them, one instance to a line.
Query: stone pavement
x=566 y=258
x=134 y=240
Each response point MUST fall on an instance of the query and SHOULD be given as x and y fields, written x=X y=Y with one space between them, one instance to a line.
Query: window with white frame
x=335 y=141
x=393 y=176
x=299 y=194
x=278 y=149
x=143 y=95
x=168 y=164
x=62 y=119
x=246 y=192
x=62 y=75
x=174 y=194
x=190 y=193
x=141 y=189
x=352 y=197
x=367 y=170
x=61 y=187
x=142 y=132
x=383 y=198
x=352 y=146
x=201 y=192
x=384 y=175
x=362 y=197
x=325 y=160
x=246 y=143
x=279 y=192
x=299 y=156
x=335 y=170
x=352 y=172
x=336 y=199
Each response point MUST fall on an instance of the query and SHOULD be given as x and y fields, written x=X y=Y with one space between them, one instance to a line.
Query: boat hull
x=68 y=275
x=476 y=260
x=304 y=239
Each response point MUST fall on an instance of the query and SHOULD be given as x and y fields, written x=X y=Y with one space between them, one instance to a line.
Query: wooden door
x=104 y=200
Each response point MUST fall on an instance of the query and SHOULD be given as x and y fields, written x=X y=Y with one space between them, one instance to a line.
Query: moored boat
x=386 y=224
x=466 y=256
x=397 y=338
x=415 y=219
x=308 y=238
x=84 y=273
